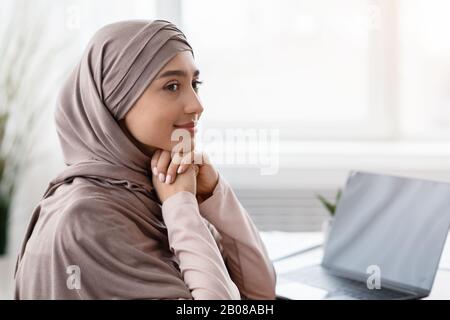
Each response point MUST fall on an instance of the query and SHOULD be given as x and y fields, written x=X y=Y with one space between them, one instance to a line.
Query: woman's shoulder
x=88 y=209
x=85 y=187
x=85 y=191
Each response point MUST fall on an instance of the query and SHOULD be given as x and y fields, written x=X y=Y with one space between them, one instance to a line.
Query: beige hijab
x=101 y=212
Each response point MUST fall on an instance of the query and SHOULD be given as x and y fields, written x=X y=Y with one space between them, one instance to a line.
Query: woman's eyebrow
x=181 y=73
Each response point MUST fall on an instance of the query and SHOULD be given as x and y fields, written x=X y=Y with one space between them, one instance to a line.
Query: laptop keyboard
x=337 y=286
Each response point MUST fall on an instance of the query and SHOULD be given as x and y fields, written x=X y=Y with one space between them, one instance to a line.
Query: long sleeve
x=246 y=256
x=200 y=261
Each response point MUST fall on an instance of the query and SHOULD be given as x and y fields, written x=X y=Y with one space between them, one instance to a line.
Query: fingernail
x=168 y=179
x=155 y=171
x=179 y=169
x=161 y=177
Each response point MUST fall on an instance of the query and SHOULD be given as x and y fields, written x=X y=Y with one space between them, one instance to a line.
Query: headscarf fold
x=118 y=201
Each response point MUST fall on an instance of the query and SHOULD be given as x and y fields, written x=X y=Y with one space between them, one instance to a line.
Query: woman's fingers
x=198 y=158
x=167 y=166
x=163 y=163
x=154 y=161
x=185 y=162
x=173 y=168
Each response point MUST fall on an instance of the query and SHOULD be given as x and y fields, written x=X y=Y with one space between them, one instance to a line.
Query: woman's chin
x=183 y=149
x=182 y=146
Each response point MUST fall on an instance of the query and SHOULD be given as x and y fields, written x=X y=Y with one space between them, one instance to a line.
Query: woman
x=129 y=218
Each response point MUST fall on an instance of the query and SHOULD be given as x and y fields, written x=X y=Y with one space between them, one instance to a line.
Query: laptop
x=386 y=240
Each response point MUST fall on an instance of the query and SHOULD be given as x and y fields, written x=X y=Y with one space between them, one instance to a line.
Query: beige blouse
x=181 y=251
x=241 y=269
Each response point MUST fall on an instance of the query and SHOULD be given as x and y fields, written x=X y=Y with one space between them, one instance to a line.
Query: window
x=310 y=68
x=424 y=68
x=327 y=69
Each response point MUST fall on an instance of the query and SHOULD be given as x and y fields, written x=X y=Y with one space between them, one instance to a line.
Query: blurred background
x=344 y=84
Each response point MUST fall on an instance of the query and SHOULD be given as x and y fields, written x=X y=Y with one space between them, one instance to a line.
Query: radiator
x=286 y=209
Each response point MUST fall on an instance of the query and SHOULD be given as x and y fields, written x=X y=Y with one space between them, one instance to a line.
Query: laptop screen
x=399 y=225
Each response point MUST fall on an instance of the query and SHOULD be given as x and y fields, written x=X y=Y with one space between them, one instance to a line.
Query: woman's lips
x=190 y=126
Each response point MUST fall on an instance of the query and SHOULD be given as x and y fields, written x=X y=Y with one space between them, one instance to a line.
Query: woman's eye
x=172 y=87
x=196 y=84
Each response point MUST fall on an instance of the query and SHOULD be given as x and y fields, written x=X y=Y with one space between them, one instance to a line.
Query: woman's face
x=169 y=101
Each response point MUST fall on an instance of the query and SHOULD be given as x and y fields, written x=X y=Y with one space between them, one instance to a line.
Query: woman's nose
x=194 y=105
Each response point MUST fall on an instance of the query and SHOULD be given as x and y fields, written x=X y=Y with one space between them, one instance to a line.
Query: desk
x=276 y=241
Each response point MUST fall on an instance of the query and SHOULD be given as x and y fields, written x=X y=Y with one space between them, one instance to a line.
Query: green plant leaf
x=331 y=207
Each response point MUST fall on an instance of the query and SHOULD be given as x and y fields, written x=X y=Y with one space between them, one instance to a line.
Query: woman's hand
x=207 y=177
x=167 y=167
